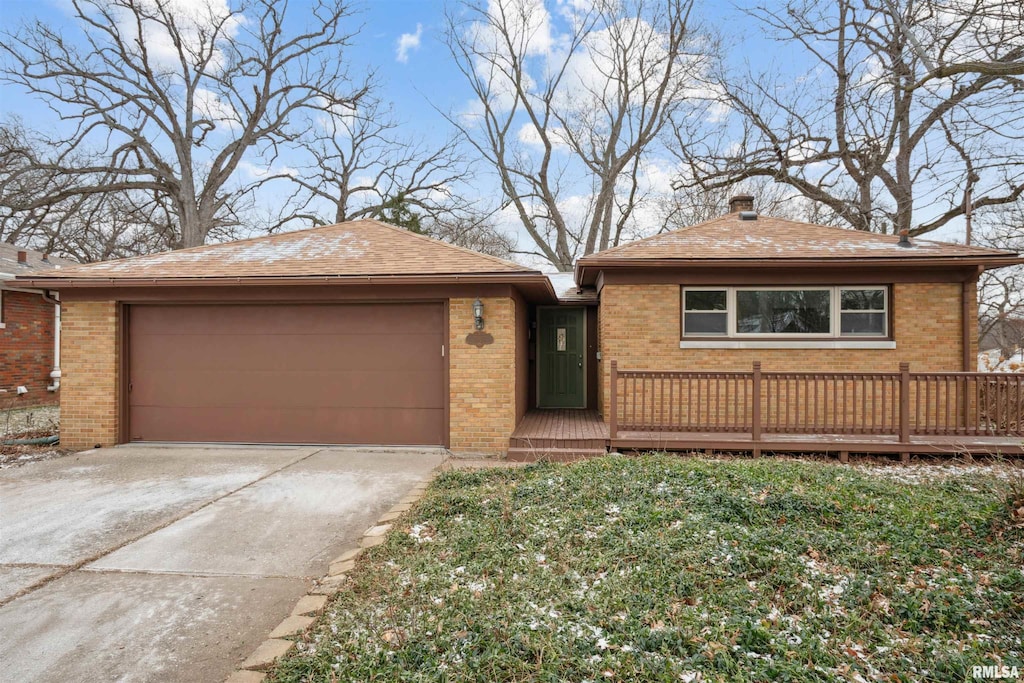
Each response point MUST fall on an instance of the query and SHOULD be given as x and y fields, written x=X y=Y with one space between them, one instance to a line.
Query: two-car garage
x=357 y=333
x=299 y=373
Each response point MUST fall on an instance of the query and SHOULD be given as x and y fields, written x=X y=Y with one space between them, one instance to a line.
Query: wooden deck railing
x=901 y=404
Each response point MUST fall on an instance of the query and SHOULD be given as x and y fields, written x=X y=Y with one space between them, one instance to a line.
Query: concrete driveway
x=174 y=563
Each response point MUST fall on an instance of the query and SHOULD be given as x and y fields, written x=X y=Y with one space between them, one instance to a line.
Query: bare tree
x=38 y=210
x=25 y=217
x=697 y=205
x=905 y=112
x=168 y=101
x=565 y=118
x=987 y=43
x=472 y=231
x=1001 y=292
x=354 y=163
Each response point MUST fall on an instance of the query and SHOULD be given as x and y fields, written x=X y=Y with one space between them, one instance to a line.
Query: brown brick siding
x=91 y=368
x=26 y=349
x=640 y=327
x=482 y=381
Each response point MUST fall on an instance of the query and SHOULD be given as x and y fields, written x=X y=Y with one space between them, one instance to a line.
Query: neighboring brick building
x=29 y=320
x=362 y=333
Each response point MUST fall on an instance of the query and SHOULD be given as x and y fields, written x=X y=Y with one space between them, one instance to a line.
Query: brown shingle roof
x=355 y=248
x=569 y=292
x=728 y=238
x=9 y=264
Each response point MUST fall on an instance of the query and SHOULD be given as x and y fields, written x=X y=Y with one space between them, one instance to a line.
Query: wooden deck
x=573 y=434
x=842 y=444
x=558 y=434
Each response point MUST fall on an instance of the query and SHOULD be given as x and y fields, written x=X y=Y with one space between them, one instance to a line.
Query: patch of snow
x=994 y=361
x=17 y=420
x=344 y=245
x=79 y=516
x=929 y=474
x=761 y=245
x=564 y=284
x=420 y=533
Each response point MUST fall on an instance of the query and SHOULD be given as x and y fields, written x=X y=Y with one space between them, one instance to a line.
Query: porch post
x=613 y=419
x=755 y=407
x=904 y=402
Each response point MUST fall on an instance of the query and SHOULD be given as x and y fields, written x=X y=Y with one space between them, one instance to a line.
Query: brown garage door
x=339 y=374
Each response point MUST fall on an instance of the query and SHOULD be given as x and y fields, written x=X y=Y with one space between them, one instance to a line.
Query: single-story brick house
x=29 y=331
x=364 y=333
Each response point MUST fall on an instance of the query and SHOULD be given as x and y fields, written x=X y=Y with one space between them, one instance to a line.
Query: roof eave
x=587 y=268
x=535 y=281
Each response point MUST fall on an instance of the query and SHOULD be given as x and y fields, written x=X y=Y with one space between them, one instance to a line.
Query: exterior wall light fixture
x=478 y=314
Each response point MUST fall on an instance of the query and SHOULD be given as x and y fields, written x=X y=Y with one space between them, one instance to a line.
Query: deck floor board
x=584 y=429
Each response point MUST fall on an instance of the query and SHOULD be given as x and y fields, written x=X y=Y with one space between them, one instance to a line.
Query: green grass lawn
x=669 y=569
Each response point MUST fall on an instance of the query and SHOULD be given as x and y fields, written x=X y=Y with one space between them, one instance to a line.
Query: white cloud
x=407 y=42
x=212 y=108
x=263 y=170
x=525 y=23
x=657 y=176
x=529 y=135
x=194 y=21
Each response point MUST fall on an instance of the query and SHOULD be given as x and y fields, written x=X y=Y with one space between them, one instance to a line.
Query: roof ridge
x=847 y=232
x=620 y=247
x=278 y=236
x=435 y=240
x=201 y=247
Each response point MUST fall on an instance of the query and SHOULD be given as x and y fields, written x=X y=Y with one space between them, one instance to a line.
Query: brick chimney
x=741 y=202
x=22 y=257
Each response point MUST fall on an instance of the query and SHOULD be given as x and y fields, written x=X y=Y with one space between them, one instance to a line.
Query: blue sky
x=426 y=80
x=424 y=74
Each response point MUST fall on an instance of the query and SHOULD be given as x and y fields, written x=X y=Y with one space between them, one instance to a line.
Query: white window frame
x=839 y=311
x=728 y=310
x=832 y=339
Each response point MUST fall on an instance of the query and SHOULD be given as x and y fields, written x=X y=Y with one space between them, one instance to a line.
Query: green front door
x=561 y=358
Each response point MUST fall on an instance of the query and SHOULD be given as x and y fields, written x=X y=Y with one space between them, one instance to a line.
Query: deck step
x=556 y=442
x=537 y=454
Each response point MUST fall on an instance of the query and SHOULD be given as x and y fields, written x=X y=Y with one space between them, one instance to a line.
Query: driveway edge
x=280 y=641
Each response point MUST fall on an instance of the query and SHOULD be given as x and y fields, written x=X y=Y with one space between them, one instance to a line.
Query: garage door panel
x=268 y=388
x=308 y=319
x=338 y=373
x=292 y=351
x=254 y=425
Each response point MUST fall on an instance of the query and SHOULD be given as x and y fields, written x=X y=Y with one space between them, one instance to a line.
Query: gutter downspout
x=55 y=374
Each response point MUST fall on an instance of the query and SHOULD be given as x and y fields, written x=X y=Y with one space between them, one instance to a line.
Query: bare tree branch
x=1001 y=292
x=890 y=124
x=560 y=116
x=354 y=162
x=170 y=102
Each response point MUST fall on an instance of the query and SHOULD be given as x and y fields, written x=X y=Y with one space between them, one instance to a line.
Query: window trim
x=734 y=339
x=726 y=312
x=885 y=311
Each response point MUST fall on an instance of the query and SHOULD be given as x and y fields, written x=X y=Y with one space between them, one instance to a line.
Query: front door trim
x=583 y=370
